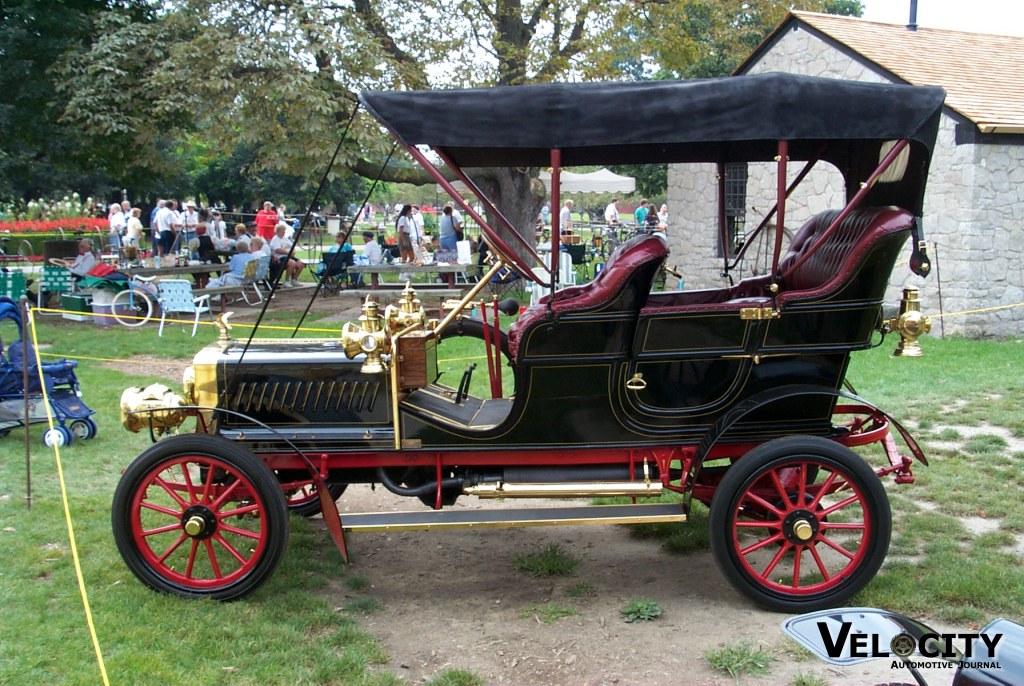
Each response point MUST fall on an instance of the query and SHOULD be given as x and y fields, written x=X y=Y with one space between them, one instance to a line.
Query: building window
x=735 y=205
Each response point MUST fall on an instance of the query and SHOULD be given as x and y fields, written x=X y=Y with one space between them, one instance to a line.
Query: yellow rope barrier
x=67 y=517
x=982 y=309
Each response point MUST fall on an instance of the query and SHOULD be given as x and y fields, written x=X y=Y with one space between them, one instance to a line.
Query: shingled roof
x=983 y=74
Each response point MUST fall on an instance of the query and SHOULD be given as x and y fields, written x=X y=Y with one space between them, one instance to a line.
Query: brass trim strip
x=426 y=520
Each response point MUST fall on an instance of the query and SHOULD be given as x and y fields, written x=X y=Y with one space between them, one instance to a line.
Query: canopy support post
x=556 y=214
x=782 y=158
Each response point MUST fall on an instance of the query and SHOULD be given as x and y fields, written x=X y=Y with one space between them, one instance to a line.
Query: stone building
x=974 y=206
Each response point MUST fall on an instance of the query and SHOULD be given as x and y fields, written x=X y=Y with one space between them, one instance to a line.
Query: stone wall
x=973 y=210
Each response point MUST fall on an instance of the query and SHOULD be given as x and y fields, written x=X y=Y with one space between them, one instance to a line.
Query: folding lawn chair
x=175 y=296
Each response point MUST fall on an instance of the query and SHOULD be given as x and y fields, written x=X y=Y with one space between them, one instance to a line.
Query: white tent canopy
x=600 y=181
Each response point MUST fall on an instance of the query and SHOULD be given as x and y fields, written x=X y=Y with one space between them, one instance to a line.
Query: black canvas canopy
x=736 y=118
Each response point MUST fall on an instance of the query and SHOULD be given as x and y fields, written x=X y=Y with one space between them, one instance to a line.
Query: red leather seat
x=620 y=266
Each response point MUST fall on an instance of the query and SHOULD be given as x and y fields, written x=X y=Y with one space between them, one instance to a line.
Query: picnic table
x=375 y=270
x=200 y=271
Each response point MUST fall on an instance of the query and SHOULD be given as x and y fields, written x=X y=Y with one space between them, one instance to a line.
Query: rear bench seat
x=824 y=272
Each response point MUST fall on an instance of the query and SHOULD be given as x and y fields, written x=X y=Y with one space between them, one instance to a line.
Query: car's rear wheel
x=799 y=524
x=200 y=517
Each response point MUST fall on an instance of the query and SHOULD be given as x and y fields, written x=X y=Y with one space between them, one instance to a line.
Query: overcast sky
x=984 y=16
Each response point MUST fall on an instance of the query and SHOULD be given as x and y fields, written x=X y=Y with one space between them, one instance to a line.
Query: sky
x=983 y=16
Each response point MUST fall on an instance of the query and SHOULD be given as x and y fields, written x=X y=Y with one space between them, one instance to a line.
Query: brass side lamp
x=910 y=324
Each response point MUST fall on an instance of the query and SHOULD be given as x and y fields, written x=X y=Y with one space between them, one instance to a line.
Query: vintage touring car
x=731 y=396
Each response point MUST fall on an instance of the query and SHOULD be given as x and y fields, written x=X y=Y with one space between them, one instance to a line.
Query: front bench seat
x=623 y=264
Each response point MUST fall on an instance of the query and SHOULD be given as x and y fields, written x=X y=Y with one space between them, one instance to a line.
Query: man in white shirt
x=280 y=246
x=164 y=226
x=190 y=219
x=611 y=213
x=82 y=264
x=218 y=230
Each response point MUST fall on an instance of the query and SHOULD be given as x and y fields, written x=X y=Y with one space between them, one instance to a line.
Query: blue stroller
x=73 y=417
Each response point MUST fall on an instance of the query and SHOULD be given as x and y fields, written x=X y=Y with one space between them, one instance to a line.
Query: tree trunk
x=517 y=193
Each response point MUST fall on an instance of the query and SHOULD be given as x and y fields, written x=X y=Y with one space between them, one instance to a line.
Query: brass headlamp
x=367 y=337
x=408 y=312
x=910 y=324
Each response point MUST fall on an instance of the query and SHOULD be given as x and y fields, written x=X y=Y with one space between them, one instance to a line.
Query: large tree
x=281 y=77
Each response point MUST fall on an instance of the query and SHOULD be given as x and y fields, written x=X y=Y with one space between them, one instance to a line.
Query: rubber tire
x=258 y=474
x=133 y=299
x=748 y=469
x=84 y=429
x=57 y=436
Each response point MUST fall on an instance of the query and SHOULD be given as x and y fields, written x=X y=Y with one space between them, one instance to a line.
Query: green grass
x=548 y=614
x=287 y=632
x=741 y=659
x=456 y=677
x=551 y=560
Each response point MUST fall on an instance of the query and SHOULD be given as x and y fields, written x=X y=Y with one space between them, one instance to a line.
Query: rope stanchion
x=67 y=515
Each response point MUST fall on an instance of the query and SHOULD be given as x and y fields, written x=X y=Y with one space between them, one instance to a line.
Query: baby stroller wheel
x=84 y=428
x=57 y=436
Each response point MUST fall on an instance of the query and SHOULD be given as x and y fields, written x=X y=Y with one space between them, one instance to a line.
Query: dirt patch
x=455 y=600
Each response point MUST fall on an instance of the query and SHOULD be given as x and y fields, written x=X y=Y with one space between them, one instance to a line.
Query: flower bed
x=70 y=225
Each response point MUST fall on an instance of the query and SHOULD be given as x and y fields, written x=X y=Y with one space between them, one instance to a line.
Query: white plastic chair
x=566 y=271
x=175 y=297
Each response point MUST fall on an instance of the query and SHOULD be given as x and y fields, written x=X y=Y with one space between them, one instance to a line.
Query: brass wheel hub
x=800 y=527
x=199 y=521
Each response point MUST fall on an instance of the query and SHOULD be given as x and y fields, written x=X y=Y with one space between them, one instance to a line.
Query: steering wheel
x=58 y=262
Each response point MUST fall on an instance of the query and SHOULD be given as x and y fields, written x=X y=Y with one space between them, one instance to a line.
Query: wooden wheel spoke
x=777 y=482
x=212 y=555
x=818 y=561
x=840 y=505
x=189 y=486
x=170 y=491
x=239 y=532
x=226 y=495
x=245 y=509
x=171 y=548
x=798 y=551
x=755 y=524
x=771 y=540
x=786 y=546
x=160 y=508
x=230 y=548
x=763 y=503
x=162 y=529
x=849 y=526
x=190 y=565
x=835 y=546
x=823 y=490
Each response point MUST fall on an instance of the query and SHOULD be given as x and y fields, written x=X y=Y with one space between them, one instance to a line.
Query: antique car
x=732 y=396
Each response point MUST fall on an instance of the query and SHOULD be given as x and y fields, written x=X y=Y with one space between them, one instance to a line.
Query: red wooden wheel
x=800 y=523
x=199 y=517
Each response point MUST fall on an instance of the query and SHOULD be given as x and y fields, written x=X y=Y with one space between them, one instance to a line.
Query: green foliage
x=552 y=560
x=548 y=614
x=808 y=679
x=357 y=583
x=363 y=605
x=641 y=610
x=456 y=677
x=739 y=660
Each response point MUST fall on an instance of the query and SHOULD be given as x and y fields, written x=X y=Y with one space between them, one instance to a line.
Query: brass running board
x=498 y=519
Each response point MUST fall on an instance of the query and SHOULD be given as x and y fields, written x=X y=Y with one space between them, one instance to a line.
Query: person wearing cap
x=190 y=220
x=218 y=229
